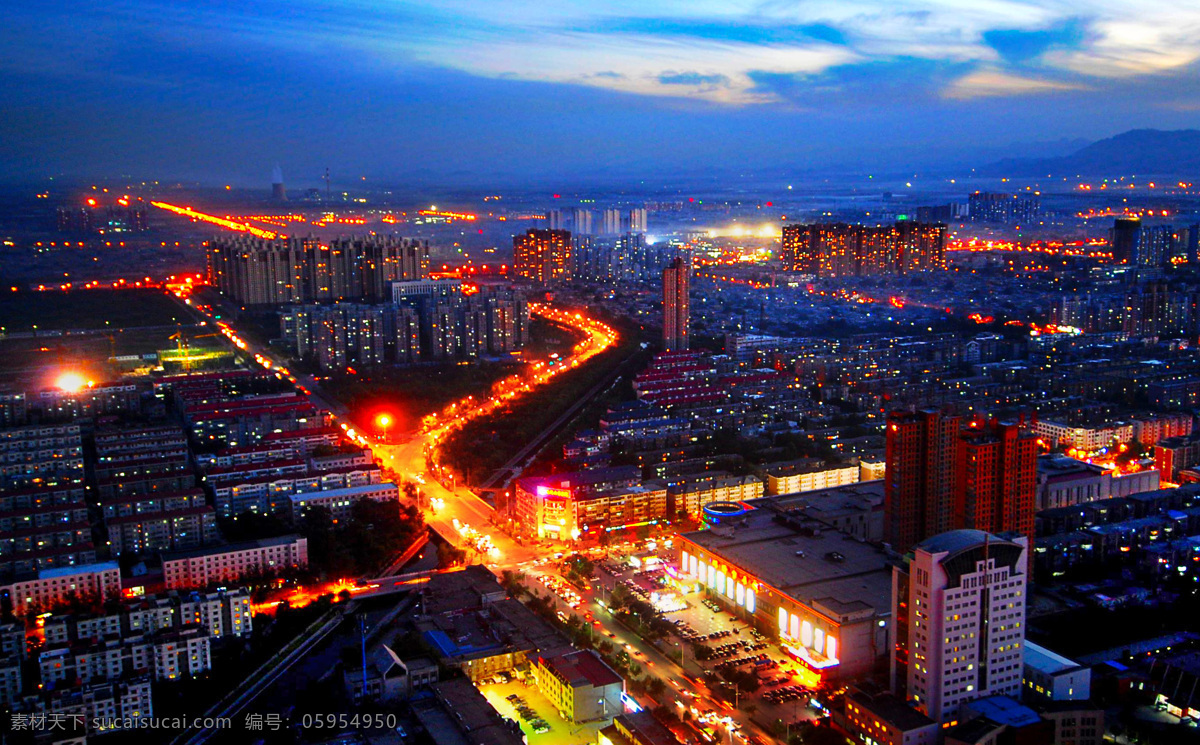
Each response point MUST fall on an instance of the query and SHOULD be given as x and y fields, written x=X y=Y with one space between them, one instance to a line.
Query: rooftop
x=954 y=541
x=891 y=709
x=583 y=668
x=1004 y=710
x=805 y=558
x=71 y=571
x=645 y=728
x=1042 y=659
x=349 y=491
x=282 y=540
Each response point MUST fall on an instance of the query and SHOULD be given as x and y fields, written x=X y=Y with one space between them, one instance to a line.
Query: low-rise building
x=340 y=502
x=884 y=719
x=825 y=595
x=1072 y=722
x=458 y=713
x=10 y=679
x=1176 y=454
x=196 y=568
x=806 y=475
x=638 y=728
x=46 y=588
x=182 y=653
x=470 y=623
x=221 y=614
x=117 y=705
x=580 y=686
x=1088 y=439
x=692 y=494
x=1052 y=677
x=545 y=507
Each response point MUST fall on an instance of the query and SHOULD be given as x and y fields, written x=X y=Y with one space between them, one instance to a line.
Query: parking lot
x=560 y=730
x=782 y=695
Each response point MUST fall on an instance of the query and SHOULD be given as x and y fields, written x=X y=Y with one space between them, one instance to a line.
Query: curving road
x=455 y=512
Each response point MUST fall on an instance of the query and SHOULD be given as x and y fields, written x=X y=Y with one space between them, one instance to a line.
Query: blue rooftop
x=1004 y=710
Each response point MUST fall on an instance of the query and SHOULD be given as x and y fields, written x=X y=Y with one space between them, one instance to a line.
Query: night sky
x=510 y=91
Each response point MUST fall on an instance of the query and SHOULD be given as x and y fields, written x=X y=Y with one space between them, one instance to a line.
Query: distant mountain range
x=1138 y=151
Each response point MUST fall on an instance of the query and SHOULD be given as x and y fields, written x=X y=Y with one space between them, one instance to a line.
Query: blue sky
x=485 y=90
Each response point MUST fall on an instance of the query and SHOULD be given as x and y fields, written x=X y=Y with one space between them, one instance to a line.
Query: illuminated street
x=455 y=512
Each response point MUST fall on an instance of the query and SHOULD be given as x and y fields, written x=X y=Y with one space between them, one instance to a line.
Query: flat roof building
x=639 y=728
x=340 y=502
x=824 y=594
x=471 y=623
x=580 y=685
x=197 y=567
x=1051 y=676
x=884 y=719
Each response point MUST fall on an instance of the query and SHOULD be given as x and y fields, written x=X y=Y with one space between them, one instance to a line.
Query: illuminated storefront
x=572 y=508
x=812 y=632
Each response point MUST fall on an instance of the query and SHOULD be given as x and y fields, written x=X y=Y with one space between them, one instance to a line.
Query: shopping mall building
x=825 y=594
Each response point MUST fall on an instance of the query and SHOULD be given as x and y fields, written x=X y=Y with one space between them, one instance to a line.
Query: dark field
x=88 y=309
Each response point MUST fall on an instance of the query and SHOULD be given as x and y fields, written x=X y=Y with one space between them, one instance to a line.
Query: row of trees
x=364 y=543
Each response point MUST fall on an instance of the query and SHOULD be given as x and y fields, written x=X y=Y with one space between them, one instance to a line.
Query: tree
x=578 y=568
x=449 y=556
x=512 y=582
x=655 y=686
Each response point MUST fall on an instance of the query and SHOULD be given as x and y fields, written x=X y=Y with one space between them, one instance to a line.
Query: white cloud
x=990 y=82
x=572 y=41
x=638 y=62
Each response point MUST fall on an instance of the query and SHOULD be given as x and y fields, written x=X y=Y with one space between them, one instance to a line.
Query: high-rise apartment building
x=1156 y=246
x=278 y=192
x=676 y=280
x=997 y=478
x=1123 y=238
x=940 y=477
x=842 y=250
x=543 y=256
x=582 y=223
x=637 y=221
x=434 y=326
x=997 y=207
x=610 y=222
x=252 y=271
x=615 y=221
x=958 y=602
x=919 y=477
x=575 y=219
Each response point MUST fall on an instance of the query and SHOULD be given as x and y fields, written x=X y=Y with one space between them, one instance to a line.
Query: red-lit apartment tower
x=997 y=478
x=676 y=309
x=941 y=477
x=542 y=255
x=919 y=480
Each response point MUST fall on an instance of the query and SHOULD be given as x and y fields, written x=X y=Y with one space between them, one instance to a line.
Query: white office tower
x=610 y=222
x=556 y=220
x=959 y=634
x=637 y=221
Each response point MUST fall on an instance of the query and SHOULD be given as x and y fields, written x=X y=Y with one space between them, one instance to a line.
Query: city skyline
x=381 y=371
x=470 y=93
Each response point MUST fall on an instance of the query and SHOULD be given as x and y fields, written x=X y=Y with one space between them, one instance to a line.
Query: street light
x=384 y=421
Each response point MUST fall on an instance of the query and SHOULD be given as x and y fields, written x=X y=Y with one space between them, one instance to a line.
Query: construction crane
x=181 y=344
